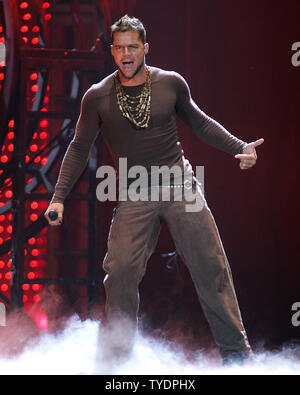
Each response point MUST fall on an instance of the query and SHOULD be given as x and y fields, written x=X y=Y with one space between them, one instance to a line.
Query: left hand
x=248 y=157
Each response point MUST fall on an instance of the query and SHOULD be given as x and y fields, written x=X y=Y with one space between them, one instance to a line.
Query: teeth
x=128 y=65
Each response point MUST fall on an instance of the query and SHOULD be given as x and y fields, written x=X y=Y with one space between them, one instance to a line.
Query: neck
x=138 y=79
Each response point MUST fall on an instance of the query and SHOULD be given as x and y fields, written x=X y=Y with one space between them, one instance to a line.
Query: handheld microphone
x=52 y=215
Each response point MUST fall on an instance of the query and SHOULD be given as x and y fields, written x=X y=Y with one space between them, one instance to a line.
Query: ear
x=146 y=48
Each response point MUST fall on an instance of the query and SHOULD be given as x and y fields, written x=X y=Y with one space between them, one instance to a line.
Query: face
x=129 y=53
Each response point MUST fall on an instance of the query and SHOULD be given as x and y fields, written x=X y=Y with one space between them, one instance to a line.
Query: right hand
x=59 y=208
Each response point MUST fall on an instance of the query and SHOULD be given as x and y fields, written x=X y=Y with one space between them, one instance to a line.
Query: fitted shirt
x=156 y=145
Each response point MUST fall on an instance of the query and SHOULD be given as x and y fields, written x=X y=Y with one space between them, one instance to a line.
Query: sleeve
x=76 y=156
x=206 y=128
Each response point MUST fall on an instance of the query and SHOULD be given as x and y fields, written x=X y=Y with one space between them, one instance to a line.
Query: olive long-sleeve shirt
x=157 y=145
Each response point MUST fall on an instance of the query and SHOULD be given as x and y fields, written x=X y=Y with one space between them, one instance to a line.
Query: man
x=136 y=109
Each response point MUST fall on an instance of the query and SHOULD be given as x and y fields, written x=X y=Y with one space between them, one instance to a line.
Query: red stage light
x=32 y=241
x=44 y=161
x=35 y=287
x=35 y=29
x=25 y=287
x=43 y=322
x=10 y=135
x=30 y=275
x=43 y=135
x=48 y=17
x=27 y=159
x=27 y=17
x=44 y=123
x=37 y=159
x=4 y=287
x=24 y=28
x=11 y=123
x=36 y=298
x=24 y=4
x=8 y=276
x=34 y=205
x=1 y=228
x=4 y=158
x=9 y=264
x=35 y=40
x=9 y=229
x=8 y=181
x=33 y=76
x=8 y=194
x=1 y=240
x=34 y=88
x=33 y=263
x=10 y=147
x=35 y=252
x=1 y=76
x=25 y=298
x=46 y=5
x=2 y=264
x=2 y=217
x=34 y=148
x=34 y=217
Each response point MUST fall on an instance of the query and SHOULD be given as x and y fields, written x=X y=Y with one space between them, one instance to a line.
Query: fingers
x=246 y=156
x=258 y=142
x=246 y=160
x=244 y=165
x=58 y=208
x=56 y=222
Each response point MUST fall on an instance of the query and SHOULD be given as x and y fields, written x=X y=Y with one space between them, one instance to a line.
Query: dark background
x=236 y=57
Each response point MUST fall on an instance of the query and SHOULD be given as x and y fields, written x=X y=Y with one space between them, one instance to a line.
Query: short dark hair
x=129 y=24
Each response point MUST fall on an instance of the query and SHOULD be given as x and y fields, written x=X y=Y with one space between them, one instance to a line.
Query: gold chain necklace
x=135 y=108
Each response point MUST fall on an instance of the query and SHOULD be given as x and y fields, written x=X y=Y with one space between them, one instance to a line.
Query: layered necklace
x=135 y=108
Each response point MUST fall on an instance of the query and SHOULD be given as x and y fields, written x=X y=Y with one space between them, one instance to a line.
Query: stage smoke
x=73 y=351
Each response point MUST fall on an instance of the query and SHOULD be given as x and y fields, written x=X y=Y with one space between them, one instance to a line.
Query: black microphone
x=52 y=215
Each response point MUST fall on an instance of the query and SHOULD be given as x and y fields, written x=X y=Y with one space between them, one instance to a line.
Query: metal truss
x=83 y=66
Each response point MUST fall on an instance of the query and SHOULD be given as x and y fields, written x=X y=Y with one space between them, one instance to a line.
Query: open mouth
x=128 y=65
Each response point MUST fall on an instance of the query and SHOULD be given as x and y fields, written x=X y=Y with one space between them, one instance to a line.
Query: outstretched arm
x=206 y=128
x=76 y=156
x=209 y=130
